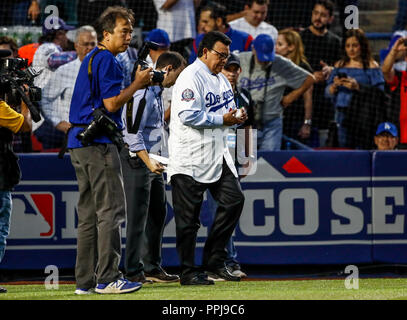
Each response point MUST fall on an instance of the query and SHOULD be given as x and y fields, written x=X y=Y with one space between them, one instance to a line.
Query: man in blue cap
x=386 y=137
x=160 y=37
x=266 y=75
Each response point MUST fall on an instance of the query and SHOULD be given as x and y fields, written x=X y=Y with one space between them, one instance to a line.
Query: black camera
x=14 y=74
x=158 y=76
x=101 y=125
x=342 y=75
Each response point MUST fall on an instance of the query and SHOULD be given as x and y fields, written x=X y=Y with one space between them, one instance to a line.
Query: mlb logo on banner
x=33 y=215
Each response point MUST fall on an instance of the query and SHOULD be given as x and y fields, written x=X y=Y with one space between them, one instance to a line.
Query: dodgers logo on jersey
x=187 y=95
x=33 y=215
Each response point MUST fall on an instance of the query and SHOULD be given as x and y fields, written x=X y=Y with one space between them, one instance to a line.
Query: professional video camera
x=14 y=74
x=158 y=76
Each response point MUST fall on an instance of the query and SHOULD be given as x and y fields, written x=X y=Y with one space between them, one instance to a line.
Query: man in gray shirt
x=266 y=75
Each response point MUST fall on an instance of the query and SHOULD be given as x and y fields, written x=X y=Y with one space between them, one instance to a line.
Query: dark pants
x=146 y=212
x=101 y=212
x=187 y=200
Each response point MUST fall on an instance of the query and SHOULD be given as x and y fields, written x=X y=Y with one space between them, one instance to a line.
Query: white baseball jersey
x=198 y=139
x=263 y=28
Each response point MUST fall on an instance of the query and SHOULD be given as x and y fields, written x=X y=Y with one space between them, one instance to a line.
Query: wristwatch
x=308 y=122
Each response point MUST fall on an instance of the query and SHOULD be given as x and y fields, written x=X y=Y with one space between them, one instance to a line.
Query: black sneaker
x=223 y=273
x=236 y=271
x=139 y=278
x=3 y=290
x=159 y=275
x=196 y=279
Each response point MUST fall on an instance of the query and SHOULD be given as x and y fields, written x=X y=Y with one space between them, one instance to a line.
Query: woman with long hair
x=297 y=117
x=357 y=68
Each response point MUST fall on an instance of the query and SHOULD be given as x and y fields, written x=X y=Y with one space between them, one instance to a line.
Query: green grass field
x=369 y=289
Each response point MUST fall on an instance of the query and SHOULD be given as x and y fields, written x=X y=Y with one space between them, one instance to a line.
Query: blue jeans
x=5 y=212
x=269 y=138
x=230 y=247
x=342 y=132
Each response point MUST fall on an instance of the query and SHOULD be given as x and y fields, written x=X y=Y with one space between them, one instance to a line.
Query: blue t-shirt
x=106 y=83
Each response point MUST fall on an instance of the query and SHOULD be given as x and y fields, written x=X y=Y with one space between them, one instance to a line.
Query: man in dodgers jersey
x=202 y=110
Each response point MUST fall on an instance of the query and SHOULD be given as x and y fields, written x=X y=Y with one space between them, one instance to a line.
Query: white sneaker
x=84 y=291
x=239 y=273
x=118 y=286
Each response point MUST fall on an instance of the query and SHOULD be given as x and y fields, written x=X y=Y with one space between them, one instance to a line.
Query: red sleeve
x=394 y=83
x=248 y=43
x=194 y=46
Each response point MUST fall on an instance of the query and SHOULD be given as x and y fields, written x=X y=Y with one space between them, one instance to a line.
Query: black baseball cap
x=233 y=59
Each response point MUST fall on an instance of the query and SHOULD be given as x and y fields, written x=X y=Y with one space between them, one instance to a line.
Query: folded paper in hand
x=164 y=161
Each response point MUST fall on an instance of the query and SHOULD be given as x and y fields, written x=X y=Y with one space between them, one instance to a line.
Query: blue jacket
x=241 y=41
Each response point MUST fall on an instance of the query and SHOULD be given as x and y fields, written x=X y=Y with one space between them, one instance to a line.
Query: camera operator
x=21 y=140
x=10 y=122
x=143 y=180
x=95 y=115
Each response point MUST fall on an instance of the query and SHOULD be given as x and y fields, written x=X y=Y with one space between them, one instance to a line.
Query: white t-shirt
x=263 y=28
x=179 y=21
x=198 y=138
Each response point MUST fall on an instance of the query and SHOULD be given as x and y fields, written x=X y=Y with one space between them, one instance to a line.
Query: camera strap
x=132 y=127
x=90 y=75
x=259 y=113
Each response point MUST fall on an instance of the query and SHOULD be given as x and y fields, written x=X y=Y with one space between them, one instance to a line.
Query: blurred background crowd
x=358 y=99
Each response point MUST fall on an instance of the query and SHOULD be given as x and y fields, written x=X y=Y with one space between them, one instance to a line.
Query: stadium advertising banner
x=301 y=208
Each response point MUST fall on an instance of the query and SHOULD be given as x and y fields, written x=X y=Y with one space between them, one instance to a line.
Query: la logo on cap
x=387 y=126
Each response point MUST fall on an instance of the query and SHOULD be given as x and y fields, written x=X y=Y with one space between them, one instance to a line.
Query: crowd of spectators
x=322 y=88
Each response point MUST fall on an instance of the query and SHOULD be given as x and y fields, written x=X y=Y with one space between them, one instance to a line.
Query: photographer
x=95 y=115
x=10 y=122
x=143 y=181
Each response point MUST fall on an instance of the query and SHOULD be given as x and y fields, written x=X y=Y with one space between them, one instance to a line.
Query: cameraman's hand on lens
x=229 y=119
x=155 y=166
x=143 y=77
